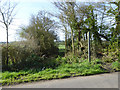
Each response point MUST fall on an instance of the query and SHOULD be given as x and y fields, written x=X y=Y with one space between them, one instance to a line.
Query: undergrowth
x=64 y=70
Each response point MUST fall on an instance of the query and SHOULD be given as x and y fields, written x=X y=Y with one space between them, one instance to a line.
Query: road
x=109 y=80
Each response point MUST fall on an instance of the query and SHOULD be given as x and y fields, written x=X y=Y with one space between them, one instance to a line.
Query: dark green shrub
x=16 y=54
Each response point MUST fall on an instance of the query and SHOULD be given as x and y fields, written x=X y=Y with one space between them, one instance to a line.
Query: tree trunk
x=65 y=41
x=118 y=20
x=86 y=35
x=65 y=44
x=7 y=45
x=79 y=32
x=73 y=50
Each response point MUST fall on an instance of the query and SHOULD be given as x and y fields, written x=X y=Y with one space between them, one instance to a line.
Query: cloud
x=14 y=29
x=2 y=33
x=94 y=0
x=36 y=1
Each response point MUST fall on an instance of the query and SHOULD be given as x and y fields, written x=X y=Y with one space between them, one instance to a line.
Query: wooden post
x=89 y=58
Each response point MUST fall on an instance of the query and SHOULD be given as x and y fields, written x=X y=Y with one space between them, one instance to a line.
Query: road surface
x=109 y=80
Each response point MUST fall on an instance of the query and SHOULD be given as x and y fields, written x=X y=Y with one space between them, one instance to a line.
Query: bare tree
x=6 y=16
x=68 y=12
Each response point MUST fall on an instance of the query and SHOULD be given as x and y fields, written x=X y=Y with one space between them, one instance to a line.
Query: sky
x=24 y=10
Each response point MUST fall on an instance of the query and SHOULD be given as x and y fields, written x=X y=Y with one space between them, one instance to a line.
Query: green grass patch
x=61 y=50
x=63 y=71
x=116 y=65
x=61 y=47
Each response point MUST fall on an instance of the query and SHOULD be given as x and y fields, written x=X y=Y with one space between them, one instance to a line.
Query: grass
x=61 y=50
x=116 y=65
x=61 y=46
x=63 y=71
x=66 y=67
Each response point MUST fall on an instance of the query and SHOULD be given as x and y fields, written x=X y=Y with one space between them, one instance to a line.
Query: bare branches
x=114 y=3
x=4 y=21
x=7 y=12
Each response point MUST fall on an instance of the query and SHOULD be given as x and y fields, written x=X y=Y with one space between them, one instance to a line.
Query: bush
x=40 y=35
x=24 y=57
x=16 y=55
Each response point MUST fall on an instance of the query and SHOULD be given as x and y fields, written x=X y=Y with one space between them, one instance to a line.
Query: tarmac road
x=108 y=80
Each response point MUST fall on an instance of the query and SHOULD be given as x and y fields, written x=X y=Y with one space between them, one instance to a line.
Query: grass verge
x=62 y=71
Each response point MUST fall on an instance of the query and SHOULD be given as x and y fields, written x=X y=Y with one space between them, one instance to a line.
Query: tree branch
x=105 y=37
x=114 y=3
